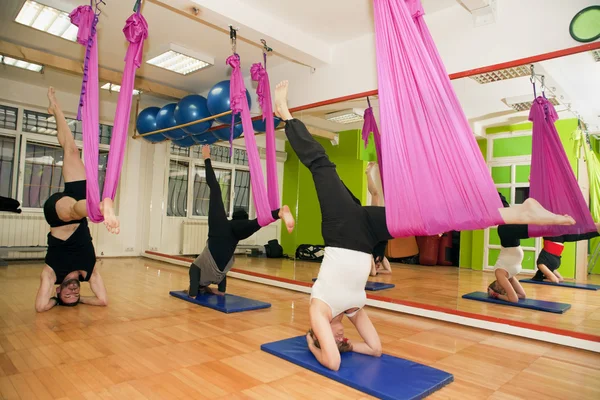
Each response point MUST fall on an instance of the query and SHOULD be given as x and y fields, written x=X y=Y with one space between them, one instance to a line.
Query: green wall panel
x=512 y=146
x=522 y=173
x=501 y=174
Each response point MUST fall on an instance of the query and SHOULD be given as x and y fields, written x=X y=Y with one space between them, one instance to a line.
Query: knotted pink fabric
x=263 y=91
x=553 y=182
x=239 y=105
x=435 y=179
x=370 y=125
x=136 y=31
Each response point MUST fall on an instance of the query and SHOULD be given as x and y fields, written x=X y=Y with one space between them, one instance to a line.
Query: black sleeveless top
x=74 y=254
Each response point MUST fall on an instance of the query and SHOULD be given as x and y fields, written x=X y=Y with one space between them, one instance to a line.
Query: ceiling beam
x=287 y=41
x=76 y=67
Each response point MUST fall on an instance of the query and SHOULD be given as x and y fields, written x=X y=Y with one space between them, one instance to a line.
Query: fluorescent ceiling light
x=117 y=88
x=346 y=116
x=180 y=60
x=47 y=19
x=502 y=74
x=524 y=103
x=13 y=62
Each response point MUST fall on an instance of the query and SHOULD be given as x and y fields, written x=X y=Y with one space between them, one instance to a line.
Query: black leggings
x=345 y=223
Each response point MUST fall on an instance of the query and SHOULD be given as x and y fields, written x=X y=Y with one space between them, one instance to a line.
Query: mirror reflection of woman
x=506 y=286
x=379 y=263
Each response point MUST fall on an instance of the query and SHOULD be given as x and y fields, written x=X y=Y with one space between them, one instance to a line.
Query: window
x=242 y=191
x=45 y=124
x=7 y=157
x=178 y=188
x=8 y=118
x=202 y=191
x=521 y=194
x=31 y=159
x=43 y=174
x=229 y=171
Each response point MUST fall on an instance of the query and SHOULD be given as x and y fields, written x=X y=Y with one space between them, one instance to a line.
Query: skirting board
x=534 y=334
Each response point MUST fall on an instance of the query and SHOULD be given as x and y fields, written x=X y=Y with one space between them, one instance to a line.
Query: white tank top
x=510 y=259
x=342 y=279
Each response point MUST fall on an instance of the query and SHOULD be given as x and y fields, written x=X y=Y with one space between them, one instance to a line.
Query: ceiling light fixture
x=502 y=74
x=13 y=62
x=524 y=103
x=180 y=60
x=116 y=88
x=348 y=116
x=47 y=19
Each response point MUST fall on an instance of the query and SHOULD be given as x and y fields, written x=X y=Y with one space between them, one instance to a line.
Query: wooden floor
x=148 y=345
x=444 y=287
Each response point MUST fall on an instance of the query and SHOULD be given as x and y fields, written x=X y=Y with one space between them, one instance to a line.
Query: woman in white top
x=350 y=232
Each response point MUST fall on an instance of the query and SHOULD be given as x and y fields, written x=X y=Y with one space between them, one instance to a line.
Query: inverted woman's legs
x=73 y=170
x=531 y=212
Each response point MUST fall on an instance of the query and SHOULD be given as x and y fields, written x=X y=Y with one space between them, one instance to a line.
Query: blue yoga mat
x=227 y=304
x=385 y=377
x=374 y=286
x=571 y=285
x=539 y=305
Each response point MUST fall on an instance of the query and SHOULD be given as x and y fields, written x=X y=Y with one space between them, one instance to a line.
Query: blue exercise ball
x=192 y=108
x=146 y=122
x=166 y=119
x=261 y=125
x=224 y=133
x=186 y=141
x=205 y=138
x=218 y=101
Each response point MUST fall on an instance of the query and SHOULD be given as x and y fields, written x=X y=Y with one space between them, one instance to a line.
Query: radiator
x=194 y=237
x=23 y=230
x=29 y=230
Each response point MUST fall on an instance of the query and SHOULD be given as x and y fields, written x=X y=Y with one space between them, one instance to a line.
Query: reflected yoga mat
x=374 y=286
x=572 y=285
x=228 y=303
x=539 y=305
x=384 y=377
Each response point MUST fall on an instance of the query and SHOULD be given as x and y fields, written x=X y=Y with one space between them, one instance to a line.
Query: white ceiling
x=574 y=80
x=333 y=21
x=164 y=27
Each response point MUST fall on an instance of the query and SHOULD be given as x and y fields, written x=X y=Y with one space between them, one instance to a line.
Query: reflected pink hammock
x=370 y=125
x=553 y=182
x=136 y=31
x=435 y=179
x=239 y=105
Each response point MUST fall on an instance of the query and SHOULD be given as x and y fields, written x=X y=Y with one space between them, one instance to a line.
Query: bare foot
x=281 y=107
x=110 y=220
x=538 y=215
x=288 y=219
x=52 y=99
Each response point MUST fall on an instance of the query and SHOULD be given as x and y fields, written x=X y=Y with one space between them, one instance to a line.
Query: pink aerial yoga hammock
x=136 y=31
x=370 y=125
x=553 y=182
x=435 y=179
x=263 y=91
x=239 y=104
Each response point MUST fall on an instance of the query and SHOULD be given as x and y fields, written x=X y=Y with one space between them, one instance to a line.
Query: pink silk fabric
x=263 y=91
x=553 y=183
x=136 y=31
x=239 y=104
x=370 y=125
x=435 y=179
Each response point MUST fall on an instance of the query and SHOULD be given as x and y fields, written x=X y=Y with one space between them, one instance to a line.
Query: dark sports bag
x=273 y=249
x=310 y=252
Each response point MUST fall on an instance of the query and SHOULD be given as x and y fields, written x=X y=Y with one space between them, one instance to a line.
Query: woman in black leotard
x=71 y=257
x=217 y=259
